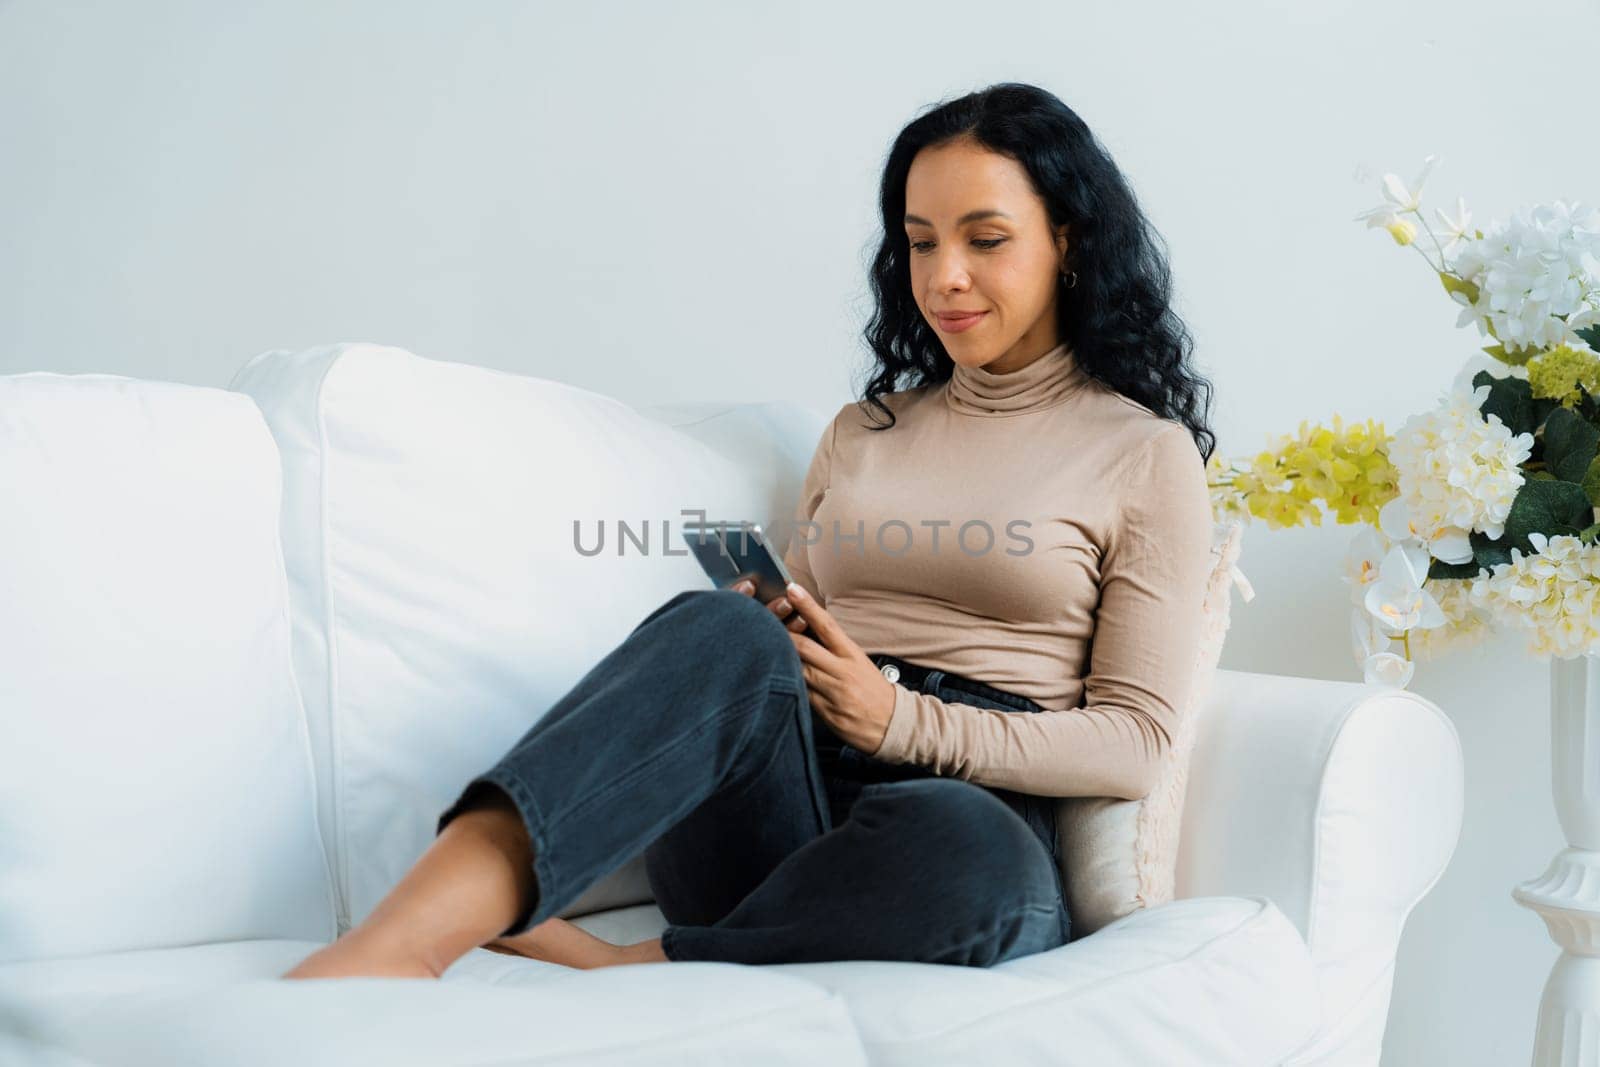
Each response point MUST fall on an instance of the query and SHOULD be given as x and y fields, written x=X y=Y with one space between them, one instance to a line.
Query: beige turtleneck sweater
x=1035 y=531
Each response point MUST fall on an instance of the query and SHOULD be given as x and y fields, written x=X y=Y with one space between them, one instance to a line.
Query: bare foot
x=559 y=941
x=360 y=953
x=466 y=888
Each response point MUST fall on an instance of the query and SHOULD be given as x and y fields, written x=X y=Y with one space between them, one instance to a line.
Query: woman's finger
x=817 y=618
x=816 y=695
x=811 y=653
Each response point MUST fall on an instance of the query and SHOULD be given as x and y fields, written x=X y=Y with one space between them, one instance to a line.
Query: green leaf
x=1569 y=445
x=1513 y=359
x=1487 y=552
x=1591 y=336
x=1591 y=482
x=1549 y=507
x=1440 y=569
x=1587 y=407
x=1452 y=284
x=1509 y=399
x=1543 y=406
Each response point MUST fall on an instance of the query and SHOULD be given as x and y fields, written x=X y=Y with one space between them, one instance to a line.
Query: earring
x=1072 y=284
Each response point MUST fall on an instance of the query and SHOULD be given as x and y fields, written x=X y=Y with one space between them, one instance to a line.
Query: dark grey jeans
x=766 y=838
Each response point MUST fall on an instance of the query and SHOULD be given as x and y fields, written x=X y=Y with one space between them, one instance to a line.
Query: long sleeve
x=1153 y=574
x=812 y=490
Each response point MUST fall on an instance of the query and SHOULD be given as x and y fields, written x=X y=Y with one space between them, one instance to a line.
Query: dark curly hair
x=1117 y=318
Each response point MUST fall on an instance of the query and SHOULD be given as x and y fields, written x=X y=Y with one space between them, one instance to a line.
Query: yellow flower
x=1558 y=374
x=1339 y=469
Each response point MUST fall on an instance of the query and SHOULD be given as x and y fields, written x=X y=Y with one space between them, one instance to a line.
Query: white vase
x=1567 y=895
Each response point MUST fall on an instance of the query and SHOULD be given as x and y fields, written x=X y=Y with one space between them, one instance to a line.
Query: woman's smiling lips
x=958 y=322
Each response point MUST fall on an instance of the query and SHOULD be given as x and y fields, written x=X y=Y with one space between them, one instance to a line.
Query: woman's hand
x=843 y=684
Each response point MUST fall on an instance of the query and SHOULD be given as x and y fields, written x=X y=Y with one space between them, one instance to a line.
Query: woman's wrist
x=876 y=730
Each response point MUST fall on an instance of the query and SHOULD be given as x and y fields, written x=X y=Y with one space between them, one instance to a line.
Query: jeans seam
x=816 y=777
x=759 y=772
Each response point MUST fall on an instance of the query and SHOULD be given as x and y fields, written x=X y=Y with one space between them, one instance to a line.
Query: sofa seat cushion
x=1207 y=981
x=223 y=1005
x=1203 y=981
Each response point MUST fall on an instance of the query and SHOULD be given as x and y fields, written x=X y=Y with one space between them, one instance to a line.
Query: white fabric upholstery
x=1342 y=803
x=440 y=603
x=1207 y=981
x=155 y=779
x=221 y=1005
x=433 y=613
x=1199 y=982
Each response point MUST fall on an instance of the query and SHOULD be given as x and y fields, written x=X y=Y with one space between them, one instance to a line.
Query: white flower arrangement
x=1479 y=514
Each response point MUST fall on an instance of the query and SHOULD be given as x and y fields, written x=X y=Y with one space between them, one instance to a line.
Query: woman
x=1033 y=511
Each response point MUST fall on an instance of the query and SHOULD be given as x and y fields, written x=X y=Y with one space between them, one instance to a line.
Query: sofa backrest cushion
x=441 y=602
x=155 y=771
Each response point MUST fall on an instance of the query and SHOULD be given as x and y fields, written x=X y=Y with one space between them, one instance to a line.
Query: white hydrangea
x=1549 y=595
x=1530 y=269
x=1466 y=624
x=1457 y=470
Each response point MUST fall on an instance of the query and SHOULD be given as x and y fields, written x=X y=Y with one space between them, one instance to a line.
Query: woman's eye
x=917 y=246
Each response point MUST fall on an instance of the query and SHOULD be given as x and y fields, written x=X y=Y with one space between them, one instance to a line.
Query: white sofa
x=253 y=640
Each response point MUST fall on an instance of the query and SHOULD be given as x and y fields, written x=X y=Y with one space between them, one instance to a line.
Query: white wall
x=676 y=201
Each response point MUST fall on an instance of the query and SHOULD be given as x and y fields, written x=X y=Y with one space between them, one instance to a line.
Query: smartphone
x=731 y=551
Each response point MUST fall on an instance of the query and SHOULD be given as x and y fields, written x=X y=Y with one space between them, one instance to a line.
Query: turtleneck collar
x=1047 y=381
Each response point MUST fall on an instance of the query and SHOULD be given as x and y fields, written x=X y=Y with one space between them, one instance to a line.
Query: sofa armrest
x=1339 y=801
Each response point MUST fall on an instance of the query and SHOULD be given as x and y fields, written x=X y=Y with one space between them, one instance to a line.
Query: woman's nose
x=949 y=273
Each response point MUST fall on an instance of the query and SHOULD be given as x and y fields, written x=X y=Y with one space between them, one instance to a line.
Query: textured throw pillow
x=1121 y=855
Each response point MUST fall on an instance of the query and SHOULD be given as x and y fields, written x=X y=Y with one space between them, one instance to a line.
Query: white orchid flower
x=1448 y=544
x=1361 y=561
x=1397 y=597
x=1403 y=230
x=1416 y=556
x=1370 y=644
x=1388 y=669
x=1408 y=199
x=1456 y=227
x=1367 y=638
x=1400 y=200
x=1394 y=519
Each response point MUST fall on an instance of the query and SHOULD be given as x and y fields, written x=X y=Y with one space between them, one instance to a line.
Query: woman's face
x=981 y=241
